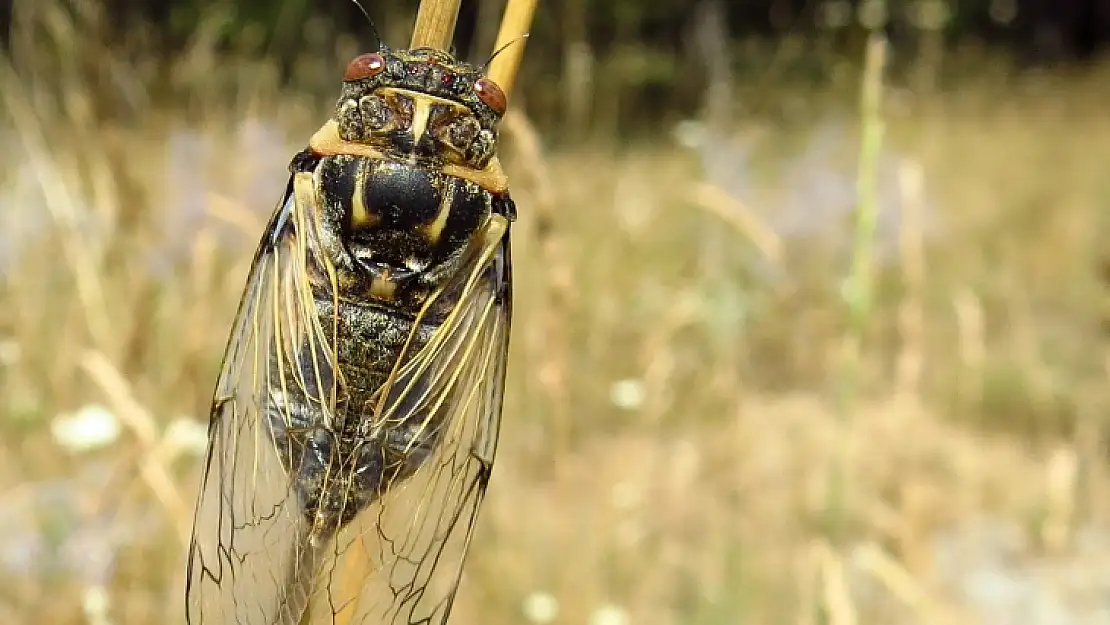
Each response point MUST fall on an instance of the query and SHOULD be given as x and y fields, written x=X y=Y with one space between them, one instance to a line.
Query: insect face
x=421 y=104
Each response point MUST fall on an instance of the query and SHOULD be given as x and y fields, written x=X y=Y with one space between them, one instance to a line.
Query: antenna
x=500 y=50
x=369 y=20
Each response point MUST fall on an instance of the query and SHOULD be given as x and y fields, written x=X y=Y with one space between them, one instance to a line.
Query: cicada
x=356 y=415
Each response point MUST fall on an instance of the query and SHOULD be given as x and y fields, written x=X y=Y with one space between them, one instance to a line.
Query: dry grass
x=676 y=398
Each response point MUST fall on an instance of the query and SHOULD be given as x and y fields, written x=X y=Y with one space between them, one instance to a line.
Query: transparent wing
x=400 y=560
x=249 y=528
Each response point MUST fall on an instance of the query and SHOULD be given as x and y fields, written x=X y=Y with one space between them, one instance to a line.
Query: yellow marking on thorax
x=361 y=217
x=327 y=142
x=433 y=230
x=421 y=109
x=420 y=96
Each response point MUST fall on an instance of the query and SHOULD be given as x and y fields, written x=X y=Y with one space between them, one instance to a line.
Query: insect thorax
x=394 y=231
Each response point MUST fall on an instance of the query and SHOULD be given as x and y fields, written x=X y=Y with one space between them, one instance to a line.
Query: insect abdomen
x=367 y=455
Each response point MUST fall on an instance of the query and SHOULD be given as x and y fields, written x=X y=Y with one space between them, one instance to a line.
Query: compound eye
x=491 y=94
x=364 y=66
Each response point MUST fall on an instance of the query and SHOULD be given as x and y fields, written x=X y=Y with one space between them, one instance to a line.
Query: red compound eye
x=491 y=94
x=364 y=66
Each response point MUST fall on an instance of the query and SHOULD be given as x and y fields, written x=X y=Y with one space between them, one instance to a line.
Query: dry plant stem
x=1061 y=476
x=553 y=373
x=153 y=469
x=911 y=184
x=435 y=24
x=897 y=581
x=840 y=608
x=740 y=218
x=82 y=260
x=859 y=294
x=859 y=284
x=435 y=27
x=550 y=344
x=911 y=316
x=514 y=28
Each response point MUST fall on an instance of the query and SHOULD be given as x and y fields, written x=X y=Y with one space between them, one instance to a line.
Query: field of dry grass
x=706 y=422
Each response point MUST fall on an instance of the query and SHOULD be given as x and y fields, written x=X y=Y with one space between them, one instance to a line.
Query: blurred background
x=811 y=320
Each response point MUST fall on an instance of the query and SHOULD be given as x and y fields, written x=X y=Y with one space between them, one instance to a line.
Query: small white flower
x=96 y=603
x=541 y=607
x=690 y=133
x=609 y=614
x=186 y=436
x=96 y=600
x=627 y=394
x=90 y=427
